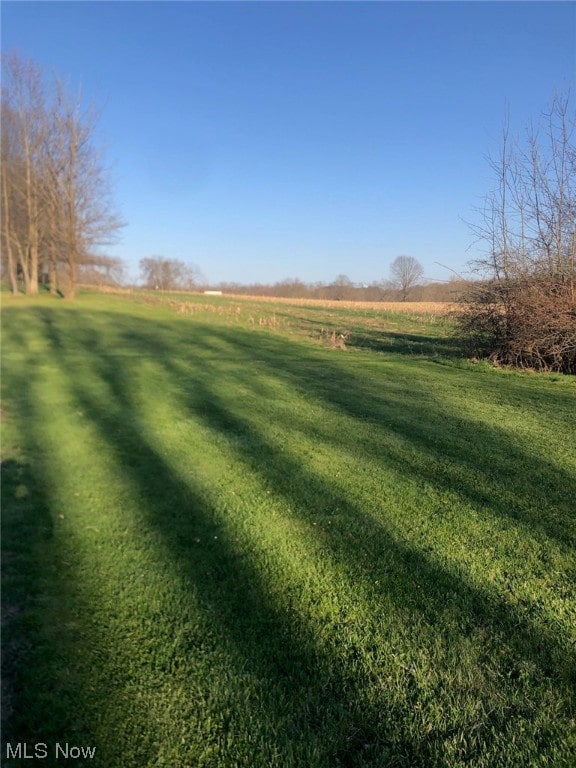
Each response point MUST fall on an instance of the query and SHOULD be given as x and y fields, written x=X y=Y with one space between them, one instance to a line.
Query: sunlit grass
x=227 y=544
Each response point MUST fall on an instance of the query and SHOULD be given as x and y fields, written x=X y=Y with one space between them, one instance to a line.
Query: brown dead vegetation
x=528 y=323
x=410 y=307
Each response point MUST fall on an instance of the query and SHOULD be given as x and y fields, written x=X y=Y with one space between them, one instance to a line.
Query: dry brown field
x=408 y=307
x=412 y=307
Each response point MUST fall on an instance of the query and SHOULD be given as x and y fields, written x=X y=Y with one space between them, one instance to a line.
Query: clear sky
x=263 y=140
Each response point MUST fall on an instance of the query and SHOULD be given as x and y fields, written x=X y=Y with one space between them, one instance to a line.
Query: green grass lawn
x=228 y=545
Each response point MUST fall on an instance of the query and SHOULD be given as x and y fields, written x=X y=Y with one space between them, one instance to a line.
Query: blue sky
x=263 y=140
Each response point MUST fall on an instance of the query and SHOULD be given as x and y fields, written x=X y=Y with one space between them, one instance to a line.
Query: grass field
x=242 y=534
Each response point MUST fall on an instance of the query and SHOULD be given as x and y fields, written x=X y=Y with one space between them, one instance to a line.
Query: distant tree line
x=523 y=311
x=55 y=200
x=405 y=283
x=343 y=289
x=165 y=274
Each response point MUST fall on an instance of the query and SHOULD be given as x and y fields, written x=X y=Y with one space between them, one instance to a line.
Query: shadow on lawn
x=377 y=339
x=483 y=462
x=26 y=525
x=245 y=610
x=232 y=589
x=40 y=703
x=406 y=344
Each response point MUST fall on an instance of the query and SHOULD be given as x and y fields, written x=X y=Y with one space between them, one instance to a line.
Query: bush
x=527 y=323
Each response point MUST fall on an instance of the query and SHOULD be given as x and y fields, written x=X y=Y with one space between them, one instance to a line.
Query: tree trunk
x=22 y=267
x=53 y=277
x=6 y=231
x=32 y=286
x=71 y=268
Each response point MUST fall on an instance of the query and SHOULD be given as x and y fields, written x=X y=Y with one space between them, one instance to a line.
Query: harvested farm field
x=411 y=307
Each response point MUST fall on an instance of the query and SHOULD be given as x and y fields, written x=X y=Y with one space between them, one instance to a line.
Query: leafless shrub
x=527 y=323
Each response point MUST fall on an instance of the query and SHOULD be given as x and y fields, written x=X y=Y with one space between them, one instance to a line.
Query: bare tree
x=101 y=270
x=524 y=312
x=528 y=220
x=79 y=191
x=55 y=195
x=160 y=273
x=23 y=130
x=8 y=204
x=405 y=272
x=341 y=288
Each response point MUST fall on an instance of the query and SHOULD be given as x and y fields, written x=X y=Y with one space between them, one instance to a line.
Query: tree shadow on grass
x=26 y=525
x=325 y=719
x=358 y=335
x=481 y=463
x=233 y=589
x=414 y=579
x=406 y=344
x=40 y=703
x=508 y=479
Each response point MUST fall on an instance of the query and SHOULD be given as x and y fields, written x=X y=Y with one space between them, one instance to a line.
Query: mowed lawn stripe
x=263 y=552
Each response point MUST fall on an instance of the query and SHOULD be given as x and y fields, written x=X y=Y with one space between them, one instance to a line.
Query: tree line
x=56 y=204
x=343 y=288
x=405 y=283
